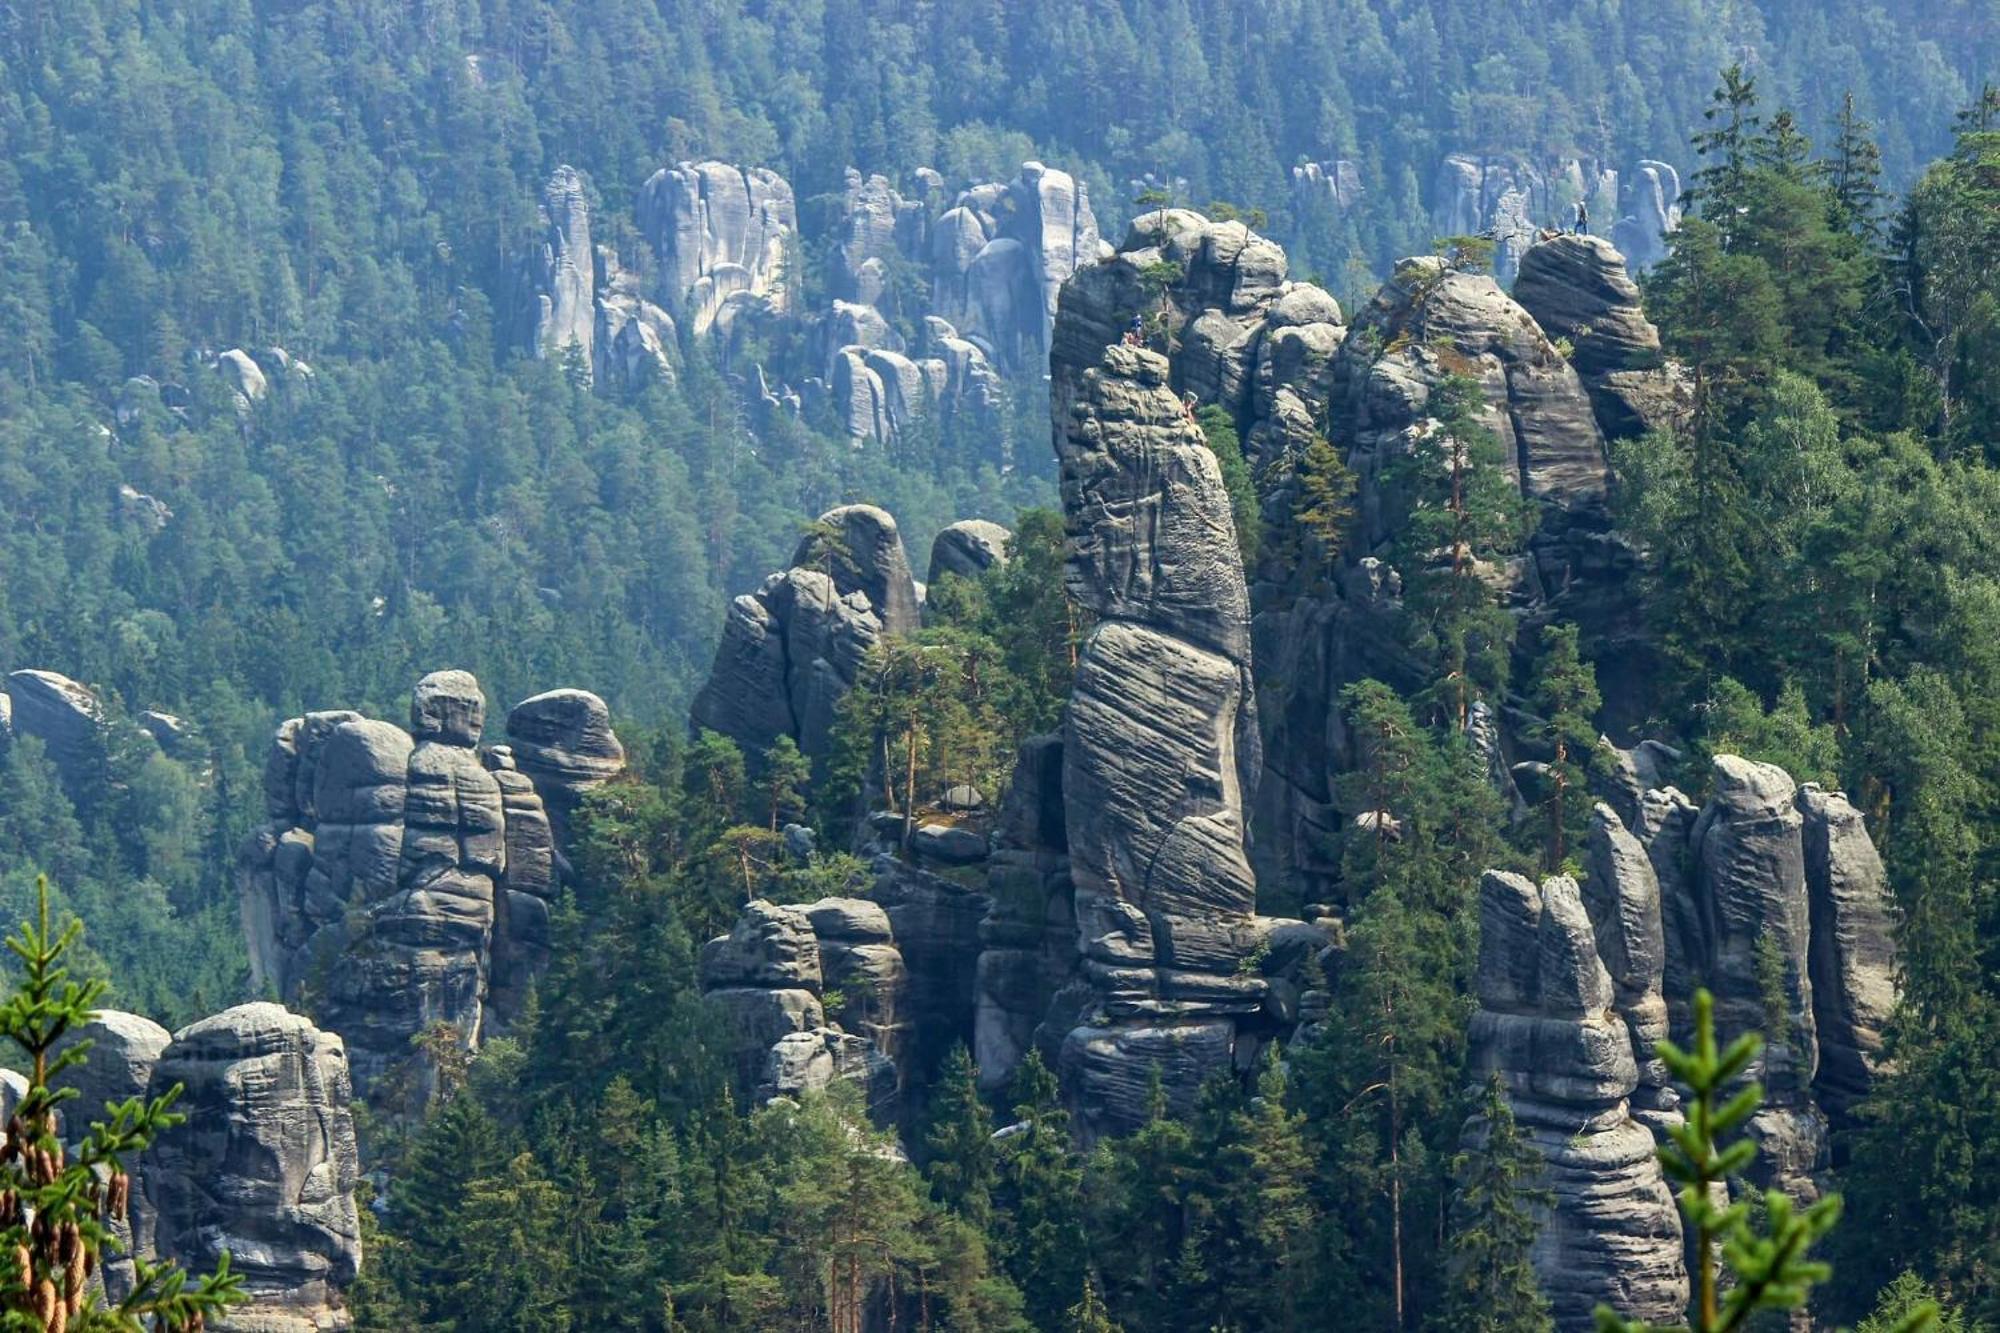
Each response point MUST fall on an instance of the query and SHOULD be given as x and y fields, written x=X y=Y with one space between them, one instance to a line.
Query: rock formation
x=402 y=879
x=1577 y=289
x=791 y=649
x=1852 y=950
x=563 y=271
x=1330 y=187
x=1159 y=750
x=1653 y=210
x=118 y=1065
x=264 y=1168
x=766 y=981
x=1774 y=898
x=65 y=716
x=1001 y=253
x=720 y=232
x=967 y=548
x=1547 y=1027
x=578 y=300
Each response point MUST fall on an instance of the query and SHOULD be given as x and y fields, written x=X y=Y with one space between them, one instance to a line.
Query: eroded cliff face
x=403 y=878
x=264 y=1168
x=1159 y=754
x=790 y=650
x=1547 y=1028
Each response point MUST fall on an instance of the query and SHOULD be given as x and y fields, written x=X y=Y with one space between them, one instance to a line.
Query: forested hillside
x=308 y=387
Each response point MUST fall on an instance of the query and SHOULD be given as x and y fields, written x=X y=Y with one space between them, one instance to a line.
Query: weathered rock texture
x=64 y=715
x=264 y=1168
x=967 y=548
x=403 y=879
x=1577 y=289
x=790 y=650
x=1000 y=255
x=720 y=232
x=766 y=981
x=1653 y=210
x=123 y=1051
x=1159 y=751
x=1774 y=898
x=576 y=299
x=1547 y=1026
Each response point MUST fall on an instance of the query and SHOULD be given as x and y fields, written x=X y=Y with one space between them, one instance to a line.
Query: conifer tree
x=1040 y=1213
x=1325 y=505
x=963 y=1162
x=1565 y=696
x=55 y=1211
x=786 y=773
x=1138 y=1186
x=1490 y=1284
x=1089 y=1315
x=1464 y=514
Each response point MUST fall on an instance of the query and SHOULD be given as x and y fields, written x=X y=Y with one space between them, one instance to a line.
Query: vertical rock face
x=563 y=742
x=720 y=232
x=123 y=1052
x=1334 y=187
x=1547 y=1027
x=264 y=1167
x=1000 y=255
x=790 y=650
x=1159 y=749
x=563 y=271
x=1773 y=897
x=1853 y=957
x=402 y=879
x=1503 y=196
x=1577 y=289
x=1622 y=893
x=1654 y=210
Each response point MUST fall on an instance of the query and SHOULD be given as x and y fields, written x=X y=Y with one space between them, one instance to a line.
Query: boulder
x=1577 y=289
x=264 y=1168
x=118 y=1065
x=967 y=548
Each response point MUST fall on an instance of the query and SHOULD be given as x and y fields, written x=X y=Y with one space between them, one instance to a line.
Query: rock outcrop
x=1653 y=207
x=65 y=716
x=402 y=879
x=720 y=232
x=1159 y=751
x=264 y=1168
x=1852 y=949
x=791 y=649
x=1547 y=1027
x=1000 y=255
x=768 y=978
x=1773 y=897
x=563 y=271
x=118 y=1065
x=1577 y=289
x=967 y=548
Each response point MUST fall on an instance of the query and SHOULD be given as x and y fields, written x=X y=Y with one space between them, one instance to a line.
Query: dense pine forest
x=403 y=480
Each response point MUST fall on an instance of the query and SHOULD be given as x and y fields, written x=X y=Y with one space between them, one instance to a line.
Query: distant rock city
x=1105 y=910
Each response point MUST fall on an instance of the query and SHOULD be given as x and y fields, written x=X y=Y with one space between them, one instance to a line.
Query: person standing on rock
x=1135 y=332
x=1582 y=227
